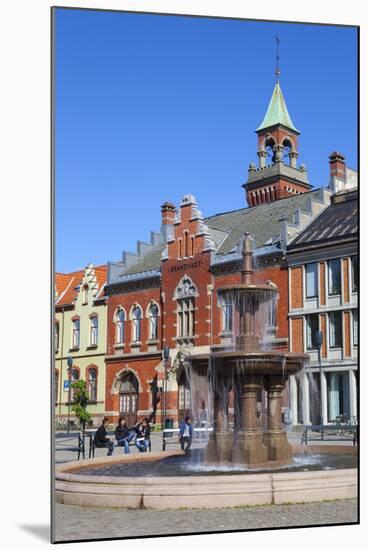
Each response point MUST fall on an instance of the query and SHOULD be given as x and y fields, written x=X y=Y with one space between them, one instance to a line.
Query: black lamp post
x=166 y=357
x=318 y=343
x=70 y=365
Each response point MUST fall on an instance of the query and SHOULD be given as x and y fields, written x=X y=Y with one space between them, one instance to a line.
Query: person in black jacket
x=100 y=439
x=143 y=435
x=123 y=434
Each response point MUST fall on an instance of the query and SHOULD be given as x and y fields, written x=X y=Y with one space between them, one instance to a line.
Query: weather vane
x=277 y=70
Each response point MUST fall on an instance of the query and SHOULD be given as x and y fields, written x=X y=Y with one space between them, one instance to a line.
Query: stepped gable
x=67 y=285
x=226 y=230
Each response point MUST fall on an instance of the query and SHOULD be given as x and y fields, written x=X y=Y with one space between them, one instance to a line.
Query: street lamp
x=70 y=365
x=318 y=343
x=166 y=357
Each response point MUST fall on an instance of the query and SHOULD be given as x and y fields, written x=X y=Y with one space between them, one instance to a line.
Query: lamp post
x=70 y=365
x=166 y=357
x=318 y=343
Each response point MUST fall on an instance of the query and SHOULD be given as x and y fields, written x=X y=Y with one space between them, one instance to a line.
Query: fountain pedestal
x=220 y=441
x=275 y=438
x=248 y=446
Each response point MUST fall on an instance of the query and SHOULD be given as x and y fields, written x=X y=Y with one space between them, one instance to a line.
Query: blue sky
x=151 y=107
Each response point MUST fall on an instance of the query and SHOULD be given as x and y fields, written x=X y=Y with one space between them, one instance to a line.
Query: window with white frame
x=354 y=274
x=335 y=329
x=153 y=322
x=227 y=316
x=56 y=335
x=136 y=324
x=312 y=327
x=334 y=277
x=94 y=330
x=76 y=333
x=92 y=383
x=311 y=276
x=120 y=320
x=355 y=327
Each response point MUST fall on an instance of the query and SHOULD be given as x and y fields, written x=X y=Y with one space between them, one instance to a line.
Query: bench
x=170 y=435
x=329 y=432
x=91 y=435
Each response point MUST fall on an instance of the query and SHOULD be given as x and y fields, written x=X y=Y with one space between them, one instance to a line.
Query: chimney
x=337 y=172
x=168 y=212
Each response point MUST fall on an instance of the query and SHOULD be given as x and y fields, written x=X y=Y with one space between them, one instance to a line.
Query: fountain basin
x=72 y=487
x=253 y=362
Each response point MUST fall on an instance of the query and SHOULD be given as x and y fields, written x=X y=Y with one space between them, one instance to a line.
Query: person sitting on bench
x=185 y=434
x=100 y=439
x=143 y=435
x=123 y=434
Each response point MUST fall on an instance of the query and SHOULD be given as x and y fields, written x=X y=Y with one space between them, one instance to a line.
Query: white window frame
x=94 y=330
x=314 y=275
x=332 y=336
x=120 y=326
x=76 y=334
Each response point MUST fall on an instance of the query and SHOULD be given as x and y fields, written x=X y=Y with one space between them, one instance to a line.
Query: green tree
x=80 y=402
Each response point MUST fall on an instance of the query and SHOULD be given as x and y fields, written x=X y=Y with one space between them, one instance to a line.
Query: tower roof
x=277 y=112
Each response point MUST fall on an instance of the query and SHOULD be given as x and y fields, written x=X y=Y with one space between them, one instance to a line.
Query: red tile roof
x=66 y=284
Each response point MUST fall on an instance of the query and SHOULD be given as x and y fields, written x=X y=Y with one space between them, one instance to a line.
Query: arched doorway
x=128 y=398
x=184 y=396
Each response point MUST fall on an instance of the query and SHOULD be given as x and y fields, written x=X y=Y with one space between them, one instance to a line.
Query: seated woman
x=123 y=434
x=100 y=439
x=143 y=435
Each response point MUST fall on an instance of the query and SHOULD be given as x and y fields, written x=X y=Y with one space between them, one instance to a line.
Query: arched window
x=120 y=320
x=269 y=147
x=76 y=326
x=92 y=383
x=192 y=245
x=56 y=335
x=153 y=322
x=136 y=324
x=94 y=330
x=185 y=295
x=180 y=249
x=85 y=294
x=128 y=393
x=186 y=244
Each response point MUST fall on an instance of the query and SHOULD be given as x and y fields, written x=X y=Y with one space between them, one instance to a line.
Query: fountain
x=243 y=463
x=247 y=368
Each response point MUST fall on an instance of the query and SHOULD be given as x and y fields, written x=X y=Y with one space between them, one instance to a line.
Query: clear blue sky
x=151 y=107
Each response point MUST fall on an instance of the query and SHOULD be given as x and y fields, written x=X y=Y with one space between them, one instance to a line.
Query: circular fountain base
x=88 y=483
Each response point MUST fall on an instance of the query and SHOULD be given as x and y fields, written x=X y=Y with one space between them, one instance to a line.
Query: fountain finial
x=247 y=269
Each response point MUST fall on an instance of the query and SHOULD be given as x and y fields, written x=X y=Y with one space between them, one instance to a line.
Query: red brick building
x=165 y=295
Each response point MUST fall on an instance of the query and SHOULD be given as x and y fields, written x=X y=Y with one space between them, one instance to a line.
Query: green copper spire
x=277 y=112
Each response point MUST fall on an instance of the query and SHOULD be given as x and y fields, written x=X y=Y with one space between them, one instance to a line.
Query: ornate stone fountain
x=247 y=368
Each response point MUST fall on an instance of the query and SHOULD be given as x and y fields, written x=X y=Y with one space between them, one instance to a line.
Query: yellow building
x=80 y=334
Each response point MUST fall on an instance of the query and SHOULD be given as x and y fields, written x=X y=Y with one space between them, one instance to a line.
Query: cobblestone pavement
x=79 y=523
